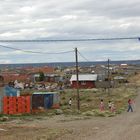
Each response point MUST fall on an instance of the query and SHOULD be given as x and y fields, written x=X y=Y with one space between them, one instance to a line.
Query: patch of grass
x=63 y=98
x=1 y=115
x=99 y=113
x=71 y=112
x=89 y=99
x=119 y=111
x=88 y=113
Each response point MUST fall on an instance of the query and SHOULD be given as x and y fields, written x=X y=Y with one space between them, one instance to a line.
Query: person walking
x=130 y=106
x=102 y=107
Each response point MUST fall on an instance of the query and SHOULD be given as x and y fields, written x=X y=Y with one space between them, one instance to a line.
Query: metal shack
x=45 y=100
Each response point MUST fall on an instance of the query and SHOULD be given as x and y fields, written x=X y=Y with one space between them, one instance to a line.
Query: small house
x=85 y=81
x=45 y=100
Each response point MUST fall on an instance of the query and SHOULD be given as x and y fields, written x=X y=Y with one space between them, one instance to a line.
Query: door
x=37 y=101
x=48 y=101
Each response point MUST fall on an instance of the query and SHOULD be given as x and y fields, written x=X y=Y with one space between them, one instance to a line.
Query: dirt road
x=122 y=127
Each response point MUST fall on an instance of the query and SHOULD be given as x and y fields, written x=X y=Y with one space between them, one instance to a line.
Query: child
x=109 y=105
x=70 y=102
x=102 y=105
x=113 y=107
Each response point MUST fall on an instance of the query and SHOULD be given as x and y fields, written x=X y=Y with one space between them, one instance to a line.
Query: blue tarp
x=10 y=91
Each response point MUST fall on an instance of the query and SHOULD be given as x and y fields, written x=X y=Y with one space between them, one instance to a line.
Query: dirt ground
x=125 y=126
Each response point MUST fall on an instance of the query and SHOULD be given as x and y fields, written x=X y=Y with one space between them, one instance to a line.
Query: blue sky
x=64 y=19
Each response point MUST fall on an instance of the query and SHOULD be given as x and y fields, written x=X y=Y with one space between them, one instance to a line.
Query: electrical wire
x=83 y=56
x=35 y=52
x=72 y=40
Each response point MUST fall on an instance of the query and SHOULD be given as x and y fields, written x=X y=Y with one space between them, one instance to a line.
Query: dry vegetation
x=90 y=99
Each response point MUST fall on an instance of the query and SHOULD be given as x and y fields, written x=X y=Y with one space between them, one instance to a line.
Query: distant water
x=69 y=64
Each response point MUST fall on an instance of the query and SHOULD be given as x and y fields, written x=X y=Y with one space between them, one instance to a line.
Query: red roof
x=19 y=77
x=41 y=69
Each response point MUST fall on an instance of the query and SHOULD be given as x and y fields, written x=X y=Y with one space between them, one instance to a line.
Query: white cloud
x=4 y=61
x=27 y=9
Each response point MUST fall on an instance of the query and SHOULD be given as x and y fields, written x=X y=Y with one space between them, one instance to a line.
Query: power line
x=83 y=56
x=35 y=52
x=72 y=40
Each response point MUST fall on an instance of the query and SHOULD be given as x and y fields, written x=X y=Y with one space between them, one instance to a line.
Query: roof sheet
x=85 y=77
x=119 y=78
x=44 y=92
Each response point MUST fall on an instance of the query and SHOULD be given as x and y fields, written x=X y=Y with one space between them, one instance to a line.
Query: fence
x=16 y=105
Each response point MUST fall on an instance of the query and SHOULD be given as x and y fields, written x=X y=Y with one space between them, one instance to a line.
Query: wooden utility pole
x=108 y=77
x=77 y=80
x=108 y=70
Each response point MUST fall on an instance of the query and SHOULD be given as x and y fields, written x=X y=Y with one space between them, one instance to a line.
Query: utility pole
x=108 y=77
x=108 y=69
x=77 y=80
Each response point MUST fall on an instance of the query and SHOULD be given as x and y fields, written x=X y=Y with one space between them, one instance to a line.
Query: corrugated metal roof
x=119 y=78
x=45 y=92
x=85 y=77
